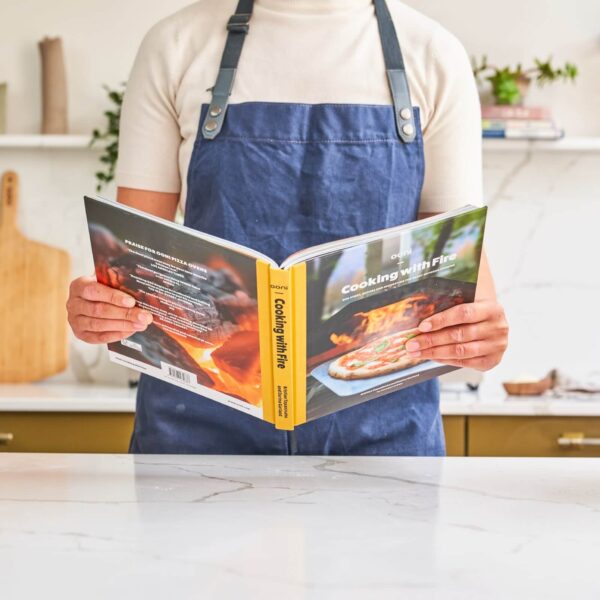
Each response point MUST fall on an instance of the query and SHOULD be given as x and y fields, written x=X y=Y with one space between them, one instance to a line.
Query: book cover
x=364 y=302
x=288 y=343
x=203 y=298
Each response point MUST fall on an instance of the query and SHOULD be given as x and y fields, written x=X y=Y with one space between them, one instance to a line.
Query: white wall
x=101 y=37
x=513 y=31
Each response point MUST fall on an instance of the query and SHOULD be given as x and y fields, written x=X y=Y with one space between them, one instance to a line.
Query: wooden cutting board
x=34 y=280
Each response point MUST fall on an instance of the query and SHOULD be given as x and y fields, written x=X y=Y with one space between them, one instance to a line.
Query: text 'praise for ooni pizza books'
x=288 y=343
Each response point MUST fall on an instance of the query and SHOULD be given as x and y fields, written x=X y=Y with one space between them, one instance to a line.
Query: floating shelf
x=46 y=141
x=567 y=144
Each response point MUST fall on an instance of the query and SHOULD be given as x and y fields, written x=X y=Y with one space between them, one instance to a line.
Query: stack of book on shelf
x=519 y=122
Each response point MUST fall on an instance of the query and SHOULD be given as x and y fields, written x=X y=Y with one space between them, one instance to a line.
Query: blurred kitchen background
x=544 y=200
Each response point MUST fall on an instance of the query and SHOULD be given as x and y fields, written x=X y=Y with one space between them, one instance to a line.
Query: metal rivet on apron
x=406 y=113
x=210 y=125
x=215 y=111
x=408 y=129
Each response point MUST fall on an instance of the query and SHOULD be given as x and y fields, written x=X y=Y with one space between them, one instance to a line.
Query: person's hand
x=471 y=335
x=99 y=314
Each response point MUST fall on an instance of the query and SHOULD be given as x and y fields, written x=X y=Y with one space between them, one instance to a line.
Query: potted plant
x=510 y=85
x=110 y=137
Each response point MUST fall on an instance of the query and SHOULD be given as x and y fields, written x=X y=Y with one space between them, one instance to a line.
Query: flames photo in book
x=365 y=302
x=202 y=298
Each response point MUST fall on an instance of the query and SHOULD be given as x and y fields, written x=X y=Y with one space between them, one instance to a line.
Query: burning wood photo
x=203 y=302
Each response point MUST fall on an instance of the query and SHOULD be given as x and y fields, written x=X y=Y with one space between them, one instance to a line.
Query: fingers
x=104 y=337
x=469 y=335
x=89 y=289
x=90 y=324
x=472 y=312
x=457 y=334
x=102 y=310
x=99 y=314
x=480 y=363
x=467 y=350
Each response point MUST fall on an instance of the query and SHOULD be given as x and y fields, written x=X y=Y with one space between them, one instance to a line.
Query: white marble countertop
x=64 y=397
x=115 y=526
x=481 y=404
x=54 y=397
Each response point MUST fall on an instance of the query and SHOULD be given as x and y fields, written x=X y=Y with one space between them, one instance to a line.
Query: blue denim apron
x=280 y=177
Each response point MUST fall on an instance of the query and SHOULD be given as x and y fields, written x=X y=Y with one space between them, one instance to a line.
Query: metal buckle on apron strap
x=405 y=123
x=396 y=73
x=239 y=23
x=237 y=28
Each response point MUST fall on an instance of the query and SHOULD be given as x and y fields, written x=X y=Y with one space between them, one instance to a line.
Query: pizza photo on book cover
x=366 y=301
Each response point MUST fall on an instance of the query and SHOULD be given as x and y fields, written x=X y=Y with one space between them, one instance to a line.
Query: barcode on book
x=179 y=374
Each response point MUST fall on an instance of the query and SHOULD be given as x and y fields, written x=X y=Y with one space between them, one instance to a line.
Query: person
x=322 y=119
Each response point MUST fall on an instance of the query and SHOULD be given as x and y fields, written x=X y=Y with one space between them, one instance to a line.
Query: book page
x=363 y=303
x=203 y=298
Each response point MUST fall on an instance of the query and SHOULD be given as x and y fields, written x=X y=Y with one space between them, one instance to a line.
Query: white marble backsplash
x=542 y=236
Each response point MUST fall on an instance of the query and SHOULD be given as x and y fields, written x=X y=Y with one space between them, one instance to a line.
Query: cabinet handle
x=6 y=438
x=577 y=439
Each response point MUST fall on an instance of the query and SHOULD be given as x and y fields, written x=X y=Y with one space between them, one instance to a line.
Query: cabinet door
x=65 y=432
x=455 y=430
x=533 y=436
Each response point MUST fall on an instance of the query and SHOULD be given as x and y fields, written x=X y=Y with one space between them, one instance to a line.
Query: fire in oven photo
x=203 y=302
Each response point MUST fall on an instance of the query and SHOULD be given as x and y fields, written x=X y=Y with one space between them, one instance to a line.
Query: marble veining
x=85 y=526
x=544 y=208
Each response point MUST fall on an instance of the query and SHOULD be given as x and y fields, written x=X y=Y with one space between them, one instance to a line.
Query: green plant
x=109 y=136
x=509 y=85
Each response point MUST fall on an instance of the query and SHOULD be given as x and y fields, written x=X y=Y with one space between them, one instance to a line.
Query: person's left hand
x=471 y=335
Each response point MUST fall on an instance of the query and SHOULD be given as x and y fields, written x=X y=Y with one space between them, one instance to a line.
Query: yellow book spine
x=282 y=345
x=298 y=273
x=264 y=327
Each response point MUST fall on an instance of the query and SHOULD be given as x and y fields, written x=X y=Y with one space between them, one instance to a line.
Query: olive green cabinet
x=465 y=435
x=110 y=432
x=455 y=429
x=533 y=436
x=65 y=432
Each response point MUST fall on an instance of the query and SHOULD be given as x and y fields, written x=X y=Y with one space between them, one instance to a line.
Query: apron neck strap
x=237 y=28
x=396 y=73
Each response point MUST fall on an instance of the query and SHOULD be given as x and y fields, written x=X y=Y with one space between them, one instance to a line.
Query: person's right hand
x=99 y=314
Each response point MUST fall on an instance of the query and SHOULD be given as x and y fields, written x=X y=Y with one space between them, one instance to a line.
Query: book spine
x=493 y=133
x=282 y=345
x=550 y=134
x=298 y=273
x=515 y=112
x=517 y=124
x=264 y=328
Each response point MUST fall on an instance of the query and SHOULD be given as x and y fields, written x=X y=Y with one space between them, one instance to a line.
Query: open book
x=286 y=343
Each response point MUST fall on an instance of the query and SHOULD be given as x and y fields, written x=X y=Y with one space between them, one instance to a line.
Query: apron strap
x=396 y=73
x=237 y=28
